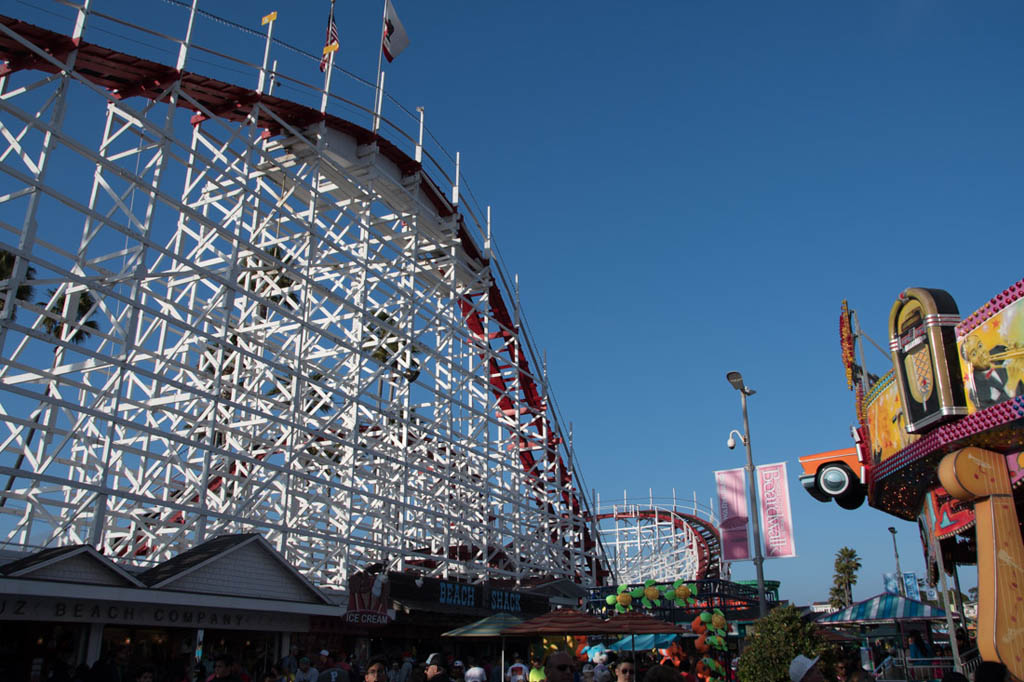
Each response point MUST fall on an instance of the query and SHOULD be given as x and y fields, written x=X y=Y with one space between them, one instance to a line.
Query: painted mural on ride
x=940 y=439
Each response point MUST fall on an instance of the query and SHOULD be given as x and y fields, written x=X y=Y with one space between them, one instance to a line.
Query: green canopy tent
x=491 y=626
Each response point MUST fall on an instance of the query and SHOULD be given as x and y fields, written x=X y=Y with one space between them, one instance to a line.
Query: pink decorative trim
x=997 y=303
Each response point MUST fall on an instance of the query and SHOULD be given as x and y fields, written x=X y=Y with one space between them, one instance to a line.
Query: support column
x=94 y=644
x=981 y=476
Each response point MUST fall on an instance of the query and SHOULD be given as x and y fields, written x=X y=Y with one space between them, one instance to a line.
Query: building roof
x=71 y=563
x=193 y=558
x=241 y=564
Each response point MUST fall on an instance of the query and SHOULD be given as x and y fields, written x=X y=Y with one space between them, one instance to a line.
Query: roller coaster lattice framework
x=239 y=314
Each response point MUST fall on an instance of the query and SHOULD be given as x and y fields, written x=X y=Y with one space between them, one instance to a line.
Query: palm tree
x=386 y=350
x=266 y=278
x=845 y=577
x=54 y=325
x=83 y=328
x=24 y=294
x=315 y=397
x=25 y=291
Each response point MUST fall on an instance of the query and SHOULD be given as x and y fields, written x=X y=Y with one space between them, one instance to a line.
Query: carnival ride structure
x=941 y=440
x=226 y=311
x=664 y=539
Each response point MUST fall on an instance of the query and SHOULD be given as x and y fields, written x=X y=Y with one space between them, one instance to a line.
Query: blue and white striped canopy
x=884 y=607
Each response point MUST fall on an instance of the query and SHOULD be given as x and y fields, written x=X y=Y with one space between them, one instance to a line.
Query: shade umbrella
x=634 y=623
x=560 y=622
x=491 y=626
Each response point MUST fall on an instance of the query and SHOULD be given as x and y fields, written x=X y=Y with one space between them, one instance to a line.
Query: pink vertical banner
x=733 y=514
x=776 y=516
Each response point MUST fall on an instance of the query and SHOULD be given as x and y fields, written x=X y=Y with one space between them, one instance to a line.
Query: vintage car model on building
x=838 y=475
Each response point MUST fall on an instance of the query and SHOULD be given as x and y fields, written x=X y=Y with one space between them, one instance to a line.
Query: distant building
x=822 y=607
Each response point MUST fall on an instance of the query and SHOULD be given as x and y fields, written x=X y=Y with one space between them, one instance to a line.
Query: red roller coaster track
x=709 y=544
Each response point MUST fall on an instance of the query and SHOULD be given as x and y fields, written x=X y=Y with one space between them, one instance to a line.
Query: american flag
x=331 y=42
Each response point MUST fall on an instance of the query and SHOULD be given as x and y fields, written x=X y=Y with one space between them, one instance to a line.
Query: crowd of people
x=804 y=669
x=556 y=666
x=322 y=666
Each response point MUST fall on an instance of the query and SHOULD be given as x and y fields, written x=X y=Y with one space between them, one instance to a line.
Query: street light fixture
x=899 y=574
x=736 y=379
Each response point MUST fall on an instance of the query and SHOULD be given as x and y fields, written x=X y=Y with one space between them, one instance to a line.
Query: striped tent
x=884 y=607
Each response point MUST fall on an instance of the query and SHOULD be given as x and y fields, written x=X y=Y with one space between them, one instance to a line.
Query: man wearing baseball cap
x=435 y=670
x=803 y=669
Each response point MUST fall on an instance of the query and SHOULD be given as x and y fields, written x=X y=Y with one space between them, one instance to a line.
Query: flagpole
x=327 y=84
x=268 y=20
x=330 y=67
x=377 y=98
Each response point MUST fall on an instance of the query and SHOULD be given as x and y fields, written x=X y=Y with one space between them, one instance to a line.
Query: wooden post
x=981 y=476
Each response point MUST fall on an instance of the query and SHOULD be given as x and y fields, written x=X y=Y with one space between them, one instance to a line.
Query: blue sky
x=691 y=187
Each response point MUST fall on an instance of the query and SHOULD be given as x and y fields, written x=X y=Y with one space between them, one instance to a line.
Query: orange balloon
x=701 y=644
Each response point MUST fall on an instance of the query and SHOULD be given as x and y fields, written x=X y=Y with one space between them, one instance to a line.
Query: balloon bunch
x=708 y=641
x=648 y=594
x=711 y=629
x=680 y=593
x=713 y=622
x=710 y=669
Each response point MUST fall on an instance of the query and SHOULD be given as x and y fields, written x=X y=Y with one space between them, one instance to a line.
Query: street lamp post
x=899 y=574
x=736 y=379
